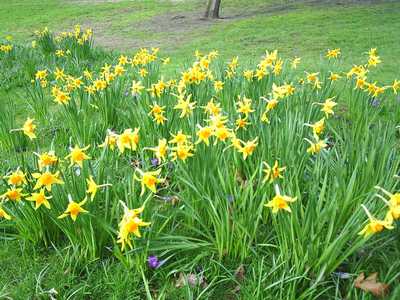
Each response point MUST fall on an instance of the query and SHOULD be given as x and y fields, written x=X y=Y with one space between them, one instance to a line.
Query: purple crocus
x=155 y=162
x=153 y=262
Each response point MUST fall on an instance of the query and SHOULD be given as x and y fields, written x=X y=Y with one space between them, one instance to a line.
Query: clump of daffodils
x=375 y=225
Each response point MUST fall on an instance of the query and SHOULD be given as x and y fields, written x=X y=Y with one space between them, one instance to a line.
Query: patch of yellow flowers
x=213 y=130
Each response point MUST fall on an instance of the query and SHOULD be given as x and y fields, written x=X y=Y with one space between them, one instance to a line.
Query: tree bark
x=217 y=5
x=208 y=8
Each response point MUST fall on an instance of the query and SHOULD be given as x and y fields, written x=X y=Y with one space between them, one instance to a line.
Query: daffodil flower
x=248 y=148
x=274 y=173
x=73 y=209
x=16 y=178
x=182 y=151
x=317 y=146
x=77 y=156
x=128 y=140
x=110 y=140
x=280 y=202
x=13 y=194
x=4 y=214
x=204 y=133
x=160 y=150
x=318 y=127
x=374 y=225
x=185 y=106
x=28 y=128
x=130 y=223
x=92 y=187
x=40 y=199
x=148 y=179
x=47 y=179
x=46 y=159
x=327 y=106
x=179 y=138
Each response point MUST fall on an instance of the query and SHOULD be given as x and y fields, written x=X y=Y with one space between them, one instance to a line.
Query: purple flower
x=153 y=262
x=375 y=102
x=155 y=162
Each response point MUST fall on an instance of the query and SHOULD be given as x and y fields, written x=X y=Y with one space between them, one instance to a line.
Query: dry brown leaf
x=180 y=282
x=371 y=285
x=240 y=272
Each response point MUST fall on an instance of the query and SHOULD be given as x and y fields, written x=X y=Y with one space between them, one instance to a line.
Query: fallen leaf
x=180 y=282
x=371 y=285
x=240 y=272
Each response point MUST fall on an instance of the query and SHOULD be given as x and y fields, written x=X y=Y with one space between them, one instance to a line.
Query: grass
x=208 y=219
x=296 y=28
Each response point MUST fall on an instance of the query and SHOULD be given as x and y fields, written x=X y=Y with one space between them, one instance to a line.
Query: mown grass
x=294 y=27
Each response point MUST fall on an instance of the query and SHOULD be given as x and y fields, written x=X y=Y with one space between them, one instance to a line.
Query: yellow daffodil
x=396 y=86
x=334 y=76
x=204 y=133
x=59 y=74
x=130 y=223
x=317 y=146
x=16 y=178
x=185 y=106
x=46 y=179
x=13 y=194
x=222 y=134
x=148 y=179
x=374 y=225
x=248 y=74
x=248 y=148
x=218 y=85
x=182 y=152
x=179 y=138
x=280 y=202
x=295 y=62
x=274 y=173
x=143 y=72
x=327 y=106
x=393 y=204
x=136 y=88
x=241 y=123
x=212 y=108
x=4 y=214
x=110 y=140
x=122 y=60
x=160 y=119
x=92 y=187
x=160 y=150
x=318 y=127
x=46 y=159
x=128 y=140
x=312 y=77
x=77 y=156
x=73 y=209
x=61 y=97
x=40 y=199
x=156 y=109
x=28 y=128
x=244 y=106
x=334 y=53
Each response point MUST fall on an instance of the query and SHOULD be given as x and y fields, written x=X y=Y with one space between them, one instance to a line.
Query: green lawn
x=301 y=28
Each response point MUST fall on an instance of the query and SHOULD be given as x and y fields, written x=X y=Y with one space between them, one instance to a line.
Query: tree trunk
x=208 y=8
x=217 y=5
